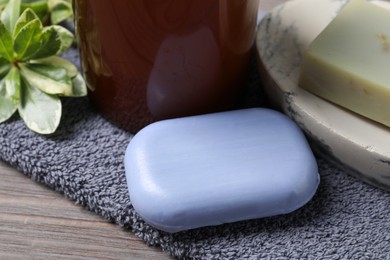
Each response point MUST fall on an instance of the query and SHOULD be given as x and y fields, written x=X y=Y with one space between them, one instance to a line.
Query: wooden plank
x=40 y=223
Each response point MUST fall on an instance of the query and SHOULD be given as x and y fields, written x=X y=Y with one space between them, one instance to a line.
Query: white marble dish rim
x=358 y=145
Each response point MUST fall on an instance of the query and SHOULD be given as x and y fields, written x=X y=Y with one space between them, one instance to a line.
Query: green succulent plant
x=32 y=75
x=49 y=11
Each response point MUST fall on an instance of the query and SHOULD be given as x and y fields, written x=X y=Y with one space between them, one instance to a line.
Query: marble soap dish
x=358 y=145
x=219 y=168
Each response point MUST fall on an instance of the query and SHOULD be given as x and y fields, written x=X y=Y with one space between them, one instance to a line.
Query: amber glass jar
x=147 y=60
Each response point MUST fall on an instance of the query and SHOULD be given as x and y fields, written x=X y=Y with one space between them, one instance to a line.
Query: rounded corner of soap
x=304 y=192
x=156 y=215
x=301 y=187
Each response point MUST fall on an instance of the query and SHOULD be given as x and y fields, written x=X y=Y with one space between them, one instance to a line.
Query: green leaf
x=9 y=94
x=52 y=72
x=60 y=10
x=50 y=43
x=41 y=112
x=66 y=38
x=79 y=86
x=56 y=61
x=4 y=67
x=12 y=84
x=27 y=41
x=7 y=107
x=27 y=16
x=10 y=14
x=48 y=79
x=40 y=7
x=6 y=43
x=3 y=3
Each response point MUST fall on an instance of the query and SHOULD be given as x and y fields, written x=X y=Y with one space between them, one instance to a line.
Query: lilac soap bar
x=219 y=168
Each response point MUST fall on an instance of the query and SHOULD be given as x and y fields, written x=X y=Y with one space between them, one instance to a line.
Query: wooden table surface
x=39 y=223
x=42 y=224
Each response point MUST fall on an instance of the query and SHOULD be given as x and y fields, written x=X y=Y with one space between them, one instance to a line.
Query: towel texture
x=84 y=160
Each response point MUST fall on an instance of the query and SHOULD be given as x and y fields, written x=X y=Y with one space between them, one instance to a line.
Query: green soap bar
x=349 y=62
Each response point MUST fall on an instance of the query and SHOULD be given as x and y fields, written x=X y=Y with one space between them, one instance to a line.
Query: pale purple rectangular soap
x=219 y=168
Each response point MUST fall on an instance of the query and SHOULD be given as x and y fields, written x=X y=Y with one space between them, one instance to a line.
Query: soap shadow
x=253 y=94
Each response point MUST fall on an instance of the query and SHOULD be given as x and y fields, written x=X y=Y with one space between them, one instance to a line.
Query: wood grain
x=39 y=223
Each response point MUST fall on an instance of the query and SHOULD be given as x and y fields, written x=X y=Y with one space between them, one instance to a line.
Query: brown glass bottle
x=147 y=60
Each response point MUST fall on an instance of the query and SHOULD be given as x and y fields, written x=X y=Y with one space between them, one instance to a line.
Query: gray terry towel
x=84 y=160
